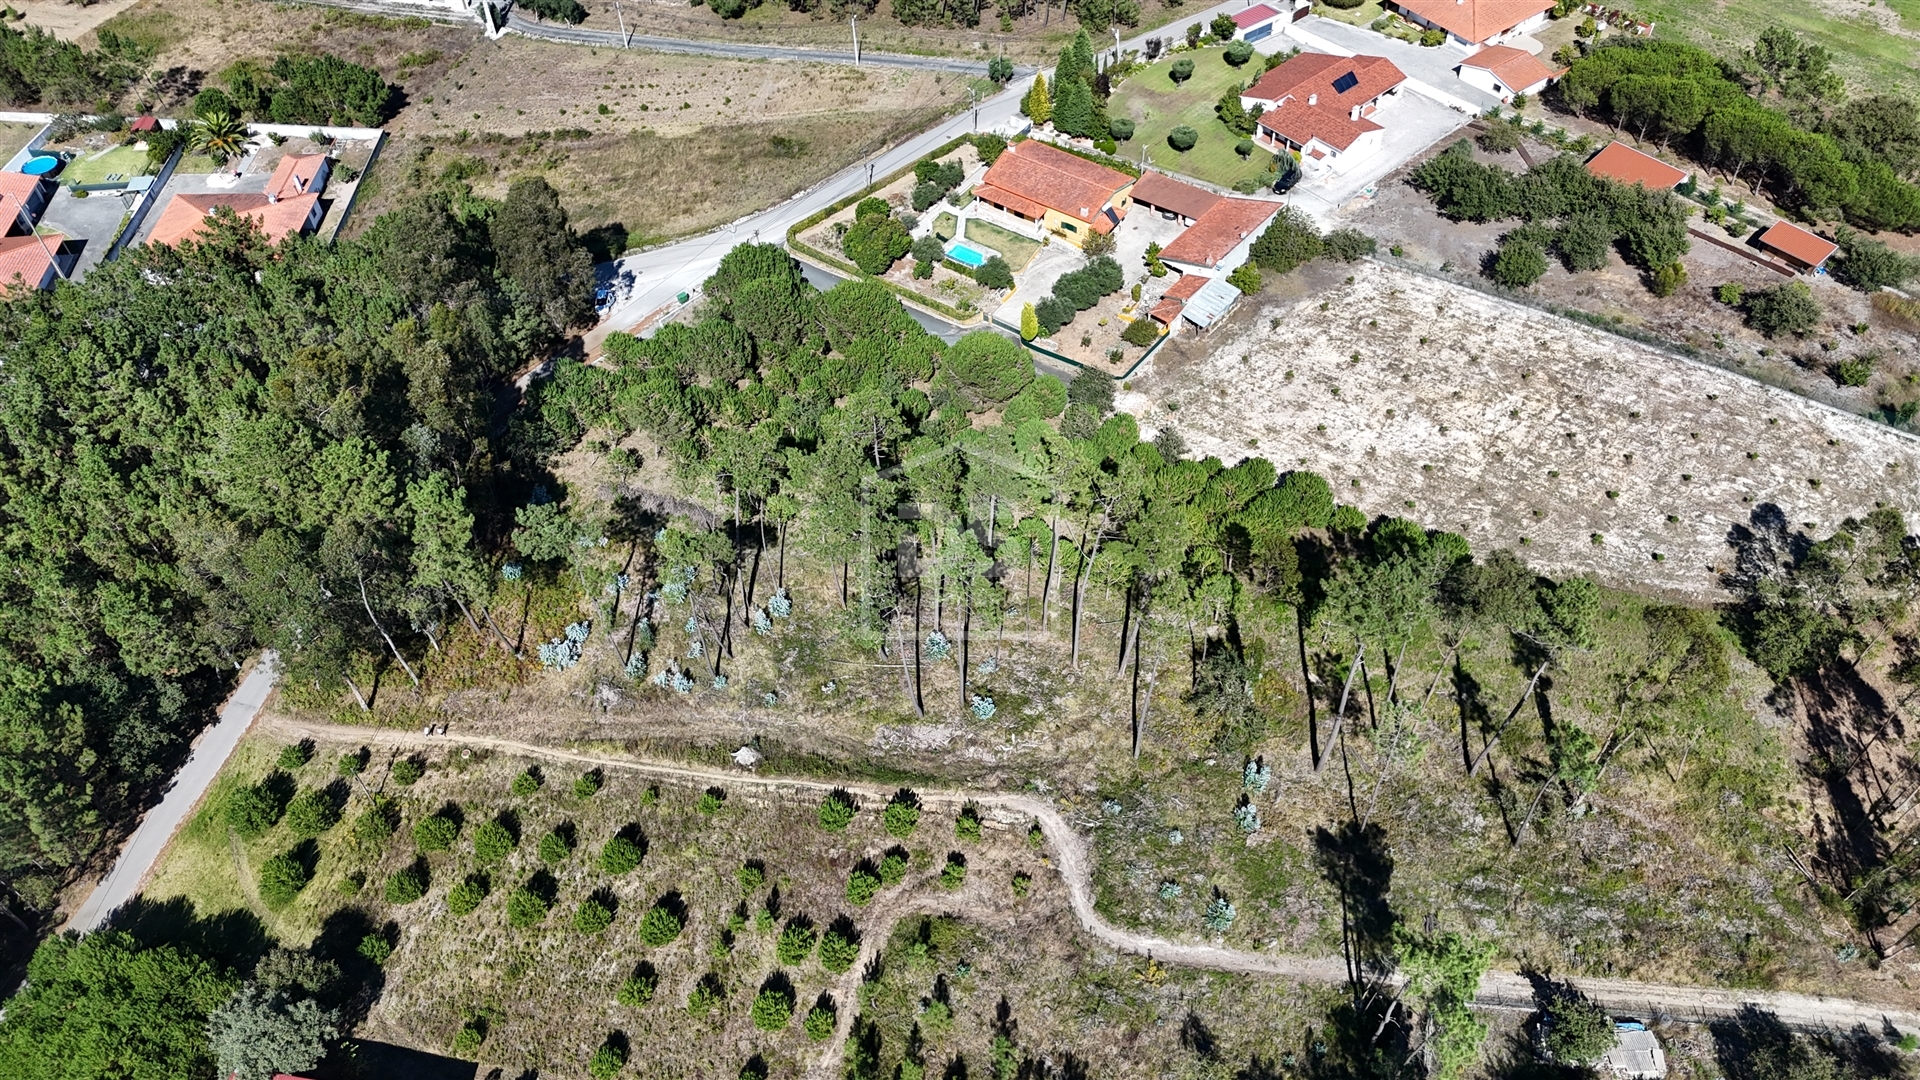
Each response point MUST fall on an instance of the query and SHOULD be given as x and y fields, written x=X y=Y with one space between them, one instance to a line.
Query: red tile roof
x=1175 y=299
x=1032 y=173
x=295 y=175
x=1254 y=16
x=145 y=123
x=1618 y=161
x=1302 y=103
x=1163 y=192
x=27 y=257
x=185 y=215
x=1475 y=20
x=16 y=190
x=1516 y=68
x=1792 y=240
x=1219 y=231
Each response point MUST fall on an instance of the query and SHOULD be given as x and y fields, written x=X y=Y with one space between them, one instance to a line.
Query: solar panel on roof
x=1345 y=83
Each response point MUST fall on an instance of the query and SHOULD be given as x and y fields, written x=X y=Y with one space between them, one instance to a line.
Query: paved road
x=1498 y=989
x=150 y=840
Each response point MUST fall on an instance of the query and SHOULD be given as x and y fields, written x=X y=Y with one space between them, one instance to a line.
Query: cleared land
x=13 y=137
x=67 y=20
x=1514 y=427
x=1157 y=105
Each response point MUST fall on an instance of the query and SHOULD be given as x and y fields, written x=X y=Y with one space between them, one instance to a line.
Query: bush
x=820 y=1023
x=492 y=841
x=1182 y=70
x=311 y=813
x=1667 y=279
x=375 y=947
x=1246 y=278
x=377 y=822
x=705 y=995
x=407 y=885
x=1182 y=138
x=773 y=1009
x=1245 y=149
x=466 y=1041
x=1730 y=294
x=281 y=879
x=1784 y=309
x=1433 y=37
x=796 y=943
x=592 y=916
x=1120 y=128
x=1238 y=53
x=1578 y=1031
x=1290 y=241
x=968 y=826
x=1867 y=265
x=862 y=885
x=1142 y=332
x=994 y=273
x=990 y=147
x=355 y=763
x=954 y=874
x=465 y=897
x=1519 y=264
x=893 y=867
x=1499 y=138
x=588 y=785
x=253 y=810
x=607 y=1061
x=872 y=206
x=902 y=815
x=875 y=243
x=838 y=951
x=555 y=846
x=528 y=782
x=659 y=926
x=435 y=832
x=1348 y=245
x=638 y=989
x=750 y=876
x=620 y=855
x=294 y=755
x=526 y=907
x=407 y=771
x=1854 y=371
x=710 y=801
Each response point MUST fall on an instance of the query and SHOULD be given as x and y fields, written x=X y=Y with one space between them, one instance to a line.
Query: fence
x=1071 y=362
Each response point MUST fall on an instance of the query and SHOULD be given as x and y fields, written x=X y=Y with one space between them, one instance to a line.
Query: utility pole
x=20 y=212
x=626 y=36
x=855 y=23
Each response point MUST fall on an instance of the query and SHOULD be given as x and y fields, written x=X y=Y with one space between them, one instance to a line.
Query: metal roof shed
x=1211 y=302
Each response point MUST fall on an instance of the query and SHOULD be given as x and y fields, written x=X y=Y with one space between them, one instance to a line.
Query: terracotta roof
x=1175 y=298
x=1790 y=239
x=1047 y=176
x=1254 y=16
x=1019 y=204
x=295 y=175
x=1618 y=161
x=1303 y=102
x=185 y=215
x=145 y=123
x=27 y=257
x=1163 y=192
x=15 y=190
x=1219 y=231
x=1475 y=20
x=1516 y=68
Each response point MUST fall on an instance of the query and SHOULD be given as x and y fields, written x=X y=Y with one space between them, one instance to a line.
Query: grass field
x=95 y=168
x=1016 y=249
x=13 y=137
x=1157 y=105
x=1876 y=48
x=1360 y=16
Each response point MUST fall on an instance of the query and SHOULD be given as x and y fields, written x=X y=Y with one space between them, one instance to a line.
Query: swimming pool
x=966 y=254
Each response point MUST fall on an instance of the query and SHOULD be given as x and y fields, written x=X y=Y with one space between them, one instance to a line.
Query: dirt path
x=1498 y=989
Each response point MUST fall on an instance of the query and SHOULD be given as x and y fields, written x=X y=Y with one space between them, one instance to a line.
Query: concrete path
x=150 y=840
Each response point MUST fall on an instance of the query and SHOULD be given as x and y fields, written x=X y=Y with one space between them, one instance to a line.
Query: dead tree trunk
x=361 y=580
x=1515 y=711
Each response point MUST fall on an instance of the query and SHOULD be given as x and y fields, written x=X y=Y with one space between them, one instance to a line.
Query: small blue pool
x=40 y=165
x=966 y=254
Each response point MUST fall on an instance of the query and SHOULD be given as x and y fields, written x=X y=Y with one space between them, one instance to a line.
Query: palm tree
x=220 y=135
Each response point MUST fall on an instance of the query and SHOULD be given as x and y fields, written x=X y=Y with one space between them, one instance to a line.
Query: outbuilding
x=1618 y=161
x=1803 y=250
x=22 y=197
x=1506 y=72
x=1255 y=23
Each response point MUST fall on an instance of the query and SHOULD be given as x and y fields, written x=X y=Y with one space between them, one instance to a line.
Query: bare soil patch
x=1513 y=427
x=66 y=20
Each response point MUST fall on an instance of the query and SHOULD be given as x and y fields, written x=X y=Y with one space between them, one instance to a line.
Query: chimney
x=273 y=197
x=1353 y=113
x=1313 y=99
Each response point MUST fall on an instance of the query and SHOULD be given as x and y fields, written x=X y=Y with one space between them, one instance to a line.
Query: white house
x=1475 y=22
x=1505 y=72
x=1321 y=107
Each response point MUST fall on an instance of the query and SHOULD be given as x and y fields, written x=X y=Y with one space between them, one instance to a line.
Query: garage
x=1255 y=23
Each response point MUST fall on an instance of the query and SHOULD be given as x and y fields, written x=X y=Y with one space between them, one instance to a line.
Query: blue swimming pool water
x=41 y=165
x=966 y=254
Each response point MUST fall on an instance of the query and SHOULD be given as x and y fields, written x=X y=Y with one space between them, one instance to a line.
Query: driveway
x=196 y=184
x=1413 y=124
x=89 y=223
x=1430 y=68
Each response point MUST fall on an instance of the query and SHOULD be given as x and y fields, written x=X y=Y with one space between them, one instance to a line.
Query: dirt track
x=1498 y=989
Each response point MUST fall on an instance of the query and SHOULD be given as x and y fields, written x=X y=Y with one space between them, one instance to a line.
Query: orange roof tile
x=1516 y=68
x=185 y=215
x=1163 y=192
x=1475 y=20
x=27 y=258
x=295 y=175
x=1303 y=101
x=1790 y=239
x=1219 y=231
x=15 y=190
x=1618 y=161
x=1174 y=300
x=1049 y=177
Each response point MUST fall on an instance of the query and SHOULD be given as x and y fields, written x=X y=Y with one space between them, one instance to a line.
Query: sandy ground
x=1517 y=428
x=68 y=21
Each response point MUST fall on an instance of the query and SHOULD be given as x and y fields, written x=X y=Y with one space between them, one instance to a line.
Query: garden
x=1179 y=97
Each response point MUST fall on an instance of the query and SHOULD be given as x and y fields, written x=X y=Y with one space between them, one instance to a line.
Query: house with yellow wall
x=1064 y=194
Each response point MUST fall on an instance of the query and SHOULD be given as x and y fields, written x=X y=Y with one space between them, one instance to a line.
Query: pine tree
x=1029 y=323
x=1038 y=106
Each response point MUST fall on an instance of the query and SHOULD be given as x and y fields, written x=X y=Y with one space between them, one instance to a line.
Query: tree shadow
x=543 y=885
x=1474 y=715
x=339 y=940
x=1355 y=860
x=236 y=939
x=509 y=820
x=1197 y=1038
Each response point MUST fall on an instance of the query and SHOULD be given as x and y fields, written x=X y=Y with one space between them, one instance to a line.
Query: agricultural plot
x=1518 y=429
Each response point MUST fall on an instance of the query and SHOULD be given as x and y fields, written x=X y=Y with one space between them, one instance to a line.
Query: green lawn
x=88 y=169
x=943 y=226
x=1016 y=249
x=1871 y=59
x=1360 y=16
x=1157 y=106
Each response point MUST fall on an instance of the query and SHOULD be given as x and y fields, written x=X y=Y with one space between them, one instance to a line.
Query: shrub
x=875 y=243
x=1182 y=138
x=659 y=926
x=954 y=874
x=1141 y=332
x=407 y=771
x=1245 y=149
x=1432 y=37
x=902 y=815
x=294 y=755
x=528 y=782
x=492 y=841
x=773 y=1009
x=376 y=822
x=872 y=206
x=466 y=1041
x=1246 y=278
x=838 y=951
x=620 y=855
x=710 y=801
x=1783 y=309
x=1182 y=70
x=607 y=1061
x=994 y=273
x=1867 y=265
x=355 y=763
x=1730 y=294
x=893 y=867
x=555 y=846
x=837 y=811
x=862 y=885
x=1022 y=884
x=1220 y=913
x=1238 y=53
x=1854 y=371
x=1348 y=245
x=1499 y=138
x=375 y=947
x=526 y=907
x=638 y=989
x=796 y=943
x=589 y=784
x=254 y=809
x=750 y=876
x=1667 y=279
x=281 y=879
x=820 y=1023
x=1288 y=242
x=1519 y=264
x=465 y=897
x=592 y=916
x=436 y=832
x=926 y=193
x=990 y=147
x=705 y=995
x=407 y=885
x=311 y=813
x=967 y=826
x=1578 y=1031
x=1120 y=128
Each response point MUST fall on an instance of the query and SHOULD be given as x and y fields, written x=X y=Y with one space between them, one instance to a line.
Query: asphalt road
x=150 y=840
